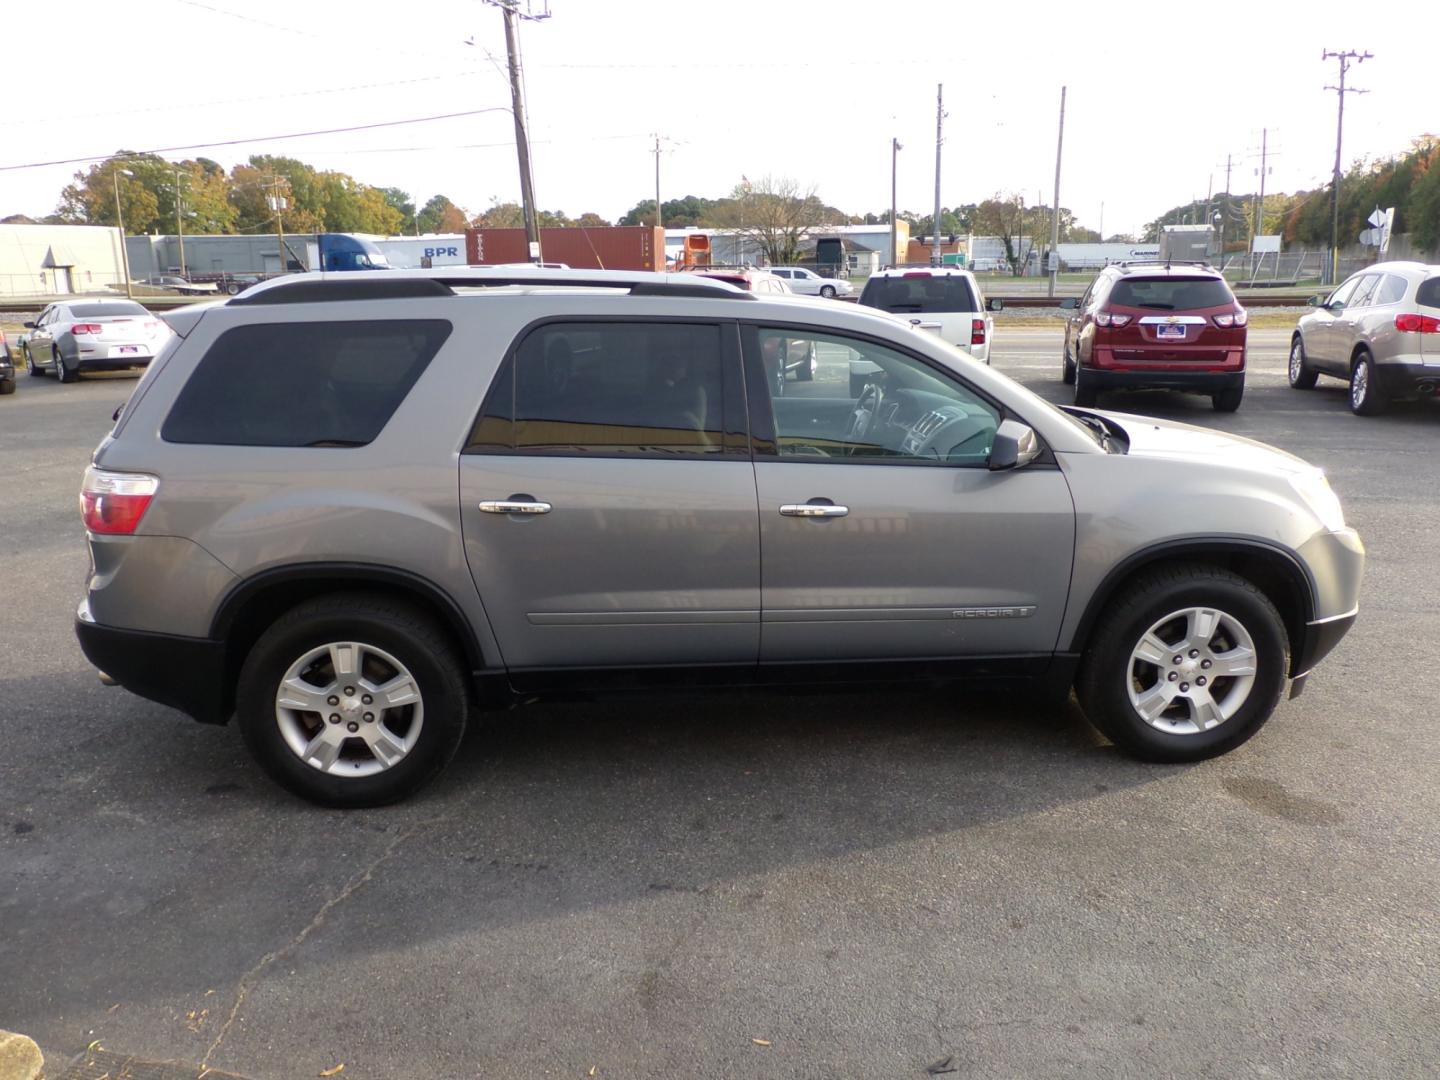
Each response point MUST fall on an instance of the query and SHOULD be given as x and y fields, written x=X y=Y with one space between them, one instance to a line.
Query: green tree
x=591 y=220
x=440 y=215
x=139 y=178
x=402 y=202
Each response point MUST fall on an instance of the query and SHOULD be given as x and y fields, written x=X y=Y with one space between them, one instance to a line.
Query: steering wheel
x=862 y=421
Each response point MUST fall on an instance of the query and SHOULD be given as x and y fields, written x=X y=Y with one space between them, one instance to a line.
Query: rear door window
x=1364 y=290
x=610 y=389
x=321 y=384
x=1171 y=293
x=919 y=293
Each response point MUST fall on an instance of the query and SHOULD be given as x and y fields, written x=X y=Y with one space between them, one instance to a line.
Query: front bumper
x=183 y=672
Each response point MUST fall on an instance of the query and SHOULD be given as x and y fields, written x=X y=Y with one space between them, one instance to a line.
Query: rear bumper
x=1195 y=382
x=1404 y=379
x=183 y=672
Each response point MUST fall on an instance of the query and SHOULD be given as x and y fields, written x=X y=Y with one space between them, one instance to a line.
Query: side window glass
x=1343 y=293
x=844 y=399
x=1364 y=290
x=1391 y=290
x=644 y=389
x=320 y=384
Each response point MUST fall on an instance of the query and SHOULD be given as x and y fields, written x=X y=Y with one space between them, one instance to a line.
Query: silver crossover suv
x=1380 y=331
x=348 y=509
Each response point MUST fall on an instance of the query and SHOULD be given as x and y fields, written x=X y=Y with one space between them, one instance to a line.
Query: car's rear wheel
x=63 y=371
x=7 y=386
x=1228 y=400
x=1067 y=366
x=1366 y=398
x=352 y=700
x=1188 y=662
x=1084 y=391
x=1302 y=375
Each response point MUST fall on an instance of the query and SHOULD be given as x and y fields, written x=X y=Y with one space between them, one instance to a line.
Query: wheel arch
x=255 y=603
x=1275 y=571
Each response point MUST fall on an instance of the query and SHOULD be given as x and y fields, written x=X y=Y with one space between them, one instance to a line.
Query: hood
x=1151 y=437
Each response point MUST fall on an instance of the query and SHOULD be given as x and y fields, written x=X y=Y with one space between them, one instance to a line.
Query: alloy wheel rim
x=1360 y=385
x=1191 y=671
x=1295 y=362
x=349 y=709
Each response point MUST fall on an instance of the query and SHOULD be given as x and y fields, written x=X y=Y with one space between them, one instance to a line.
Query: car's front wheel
x=1366 y=397
x=30 y=368
x=352 y=700
x=1188 y=662
x=827 y=291
x=1302 y=375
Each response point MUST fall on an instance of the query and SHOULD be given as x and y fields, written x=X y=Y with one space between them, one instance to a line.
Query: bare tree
x=773 y=213
x=1005 y=216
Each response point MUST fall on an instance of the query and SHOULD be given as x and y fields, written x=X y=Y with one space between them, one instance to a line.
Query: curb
x=20 y=1058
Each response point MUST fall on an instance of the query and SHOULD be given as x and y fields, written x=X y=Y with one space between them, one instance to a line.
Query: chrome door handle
x=814 y=510
x=514 y=506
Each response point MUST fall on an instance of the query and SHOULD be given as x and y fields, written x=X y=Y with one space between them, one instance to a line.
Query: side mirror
x=995 y=304
x=1070 y=303
x=1015 y=446
x=29 y=326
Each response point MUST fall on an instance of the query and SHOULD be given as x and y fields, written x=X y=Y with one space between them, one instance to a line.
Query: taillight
x=916 y=273
x=1412 y=323
x=1110 y=318
x=1238 y=317
x=86 y=328
x=114 y=502
x=977 y=331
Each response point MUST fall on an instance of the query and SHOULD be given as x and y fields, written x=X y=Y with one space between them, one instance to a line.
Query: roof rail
x=401 y=284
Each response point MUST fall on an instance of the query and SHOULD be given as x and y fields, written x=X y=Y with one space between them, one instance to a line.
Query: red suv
x=1161 y=326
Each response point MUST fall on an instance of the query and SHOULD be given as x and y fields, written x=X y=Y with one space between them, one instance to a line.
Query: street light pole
x=1055 y=210
x=895 y=149
x=179 y=224
x=935 y=256
x=120 y=217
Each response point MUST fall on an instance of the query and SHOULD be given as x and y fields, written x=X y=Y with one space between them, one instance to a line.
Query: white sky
x=1158 y=95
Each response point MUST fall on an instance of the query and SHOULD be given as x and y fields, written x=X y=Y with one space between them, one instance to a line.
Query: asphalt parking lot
x=867 y=885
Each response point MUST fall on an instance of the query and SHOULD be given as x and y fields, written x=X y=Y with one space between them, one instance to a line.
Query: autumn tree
x=774 y=213
x=440 y=215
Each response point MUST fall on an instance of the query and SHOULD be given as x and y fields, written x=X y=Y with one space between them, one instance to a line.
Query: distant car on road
x=1380 y=330
x=1156 y=325
x=92 y=335
x=180 y=285
x=808 y=283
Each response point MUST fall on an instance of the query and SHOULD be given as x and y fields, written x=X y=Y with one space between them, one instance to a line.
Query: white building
x=59 y=260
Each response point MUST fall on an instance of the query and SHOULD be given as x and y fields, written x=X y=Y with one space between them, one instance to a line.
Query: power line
x=258 y=139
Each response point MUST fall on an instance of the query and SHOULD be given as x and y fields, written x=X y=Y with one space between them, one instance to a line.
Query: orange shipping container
x=611 y=247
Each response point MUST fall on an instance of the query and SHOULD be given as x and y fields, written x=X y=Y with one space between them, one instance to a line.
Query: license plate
x=1166 y=332
x=129 y=348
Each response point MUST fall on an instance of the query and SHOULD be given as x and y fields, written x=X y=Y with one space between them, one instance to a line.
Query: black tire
x=806 y=371
x=1067 y=366
x=1228 y=400
x=7 y=386
x=63 y=372
x=1107 y=672
x=393 y=626
x=30 y=368
x=1302 y=375
x=1366 y=396
x=1084 y=392
x=232 y=288
x=827 y=291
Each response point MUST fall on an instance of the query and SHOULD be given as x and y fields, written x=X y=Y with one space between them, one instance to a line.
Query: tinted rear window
x=931 y=293
x=1428 y=295
x=98 y=311
x=1171 y=294
x=303 y=384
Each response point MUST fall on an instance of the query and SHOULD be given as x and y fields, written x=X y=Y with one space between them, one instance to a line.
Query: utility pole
x=936 y=259
x=1055 y=210
x=510 y=9
x=1102 y=221
x=1340 y=92
x=120 y=217
x=1225 y=210
x=277 y=203
x=1257 y=226
x=179 y=223
x=895 y=149
x=659 y=218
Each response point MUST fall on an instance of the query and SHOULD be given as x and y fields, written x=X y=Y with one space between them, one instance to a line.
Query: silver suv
x=348 y=509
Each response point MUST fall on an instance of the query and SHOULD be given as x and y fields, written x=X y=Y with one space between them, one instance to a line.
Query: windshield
x=1171 y=294
x=919 y=293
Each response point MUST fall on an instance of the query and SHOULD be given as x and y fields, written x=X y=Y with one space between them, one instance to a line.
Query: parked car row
x=92 y=335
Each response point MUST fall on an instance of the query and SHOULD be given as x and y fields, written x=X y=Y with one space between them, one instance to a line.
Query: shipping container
x=617 y=247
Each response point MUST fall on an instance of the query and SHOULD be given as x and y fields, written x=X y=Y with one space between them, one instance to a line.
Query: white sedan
x=809 y=283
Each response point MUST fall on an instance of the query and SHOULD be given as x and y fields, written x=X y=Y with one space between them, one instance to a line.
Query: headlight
x=1314 y=491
